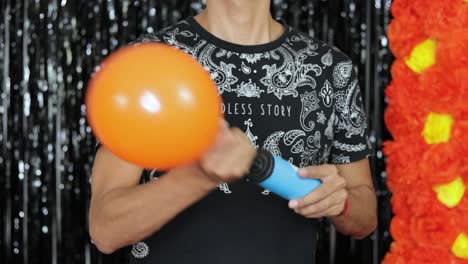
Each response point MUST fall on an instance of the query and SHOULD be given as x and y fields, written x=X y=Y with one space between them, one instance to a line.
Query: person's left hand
x=328 y=199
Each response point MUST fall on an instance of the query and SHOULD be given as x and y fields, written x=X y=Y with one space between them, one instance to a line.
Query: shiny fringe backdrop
x=48 y=50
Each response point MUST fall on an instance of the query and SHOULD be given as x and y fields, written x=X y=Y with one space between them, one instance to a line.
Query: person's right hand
x=230 y=158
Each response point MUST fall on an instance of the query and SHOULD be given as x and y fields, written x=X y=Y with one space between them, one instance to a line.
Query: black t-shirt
x=297 y=97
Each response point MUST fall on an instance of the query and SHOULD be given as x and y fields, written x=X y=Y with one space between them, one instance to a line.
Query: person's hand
x=230 y=157
x=328 y=199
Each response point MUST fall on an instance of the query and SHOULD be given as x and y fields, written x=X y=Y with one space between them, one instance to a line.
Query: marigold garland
x=427 y=115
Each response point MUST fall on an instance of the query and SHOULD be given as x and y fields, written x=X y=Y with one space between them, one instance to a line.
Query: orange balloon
x=154 y=106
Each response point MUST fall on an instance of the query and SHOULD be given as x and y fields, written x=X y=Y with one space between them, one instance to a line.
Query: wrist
x=194 y=177
x=345 y=211
x=343 y=214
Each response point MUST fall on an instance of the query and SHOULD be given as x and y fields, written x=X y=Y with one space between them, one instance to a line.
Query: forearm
x=361 y=217
x=126 y=215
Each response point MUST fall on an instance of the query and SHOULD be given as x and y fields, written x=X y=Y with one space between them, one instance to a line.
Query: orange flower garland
x=427 y=115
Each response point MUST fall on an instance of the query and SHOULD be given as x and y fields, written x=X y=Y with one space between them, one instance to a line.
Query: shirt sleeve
x=350 y=136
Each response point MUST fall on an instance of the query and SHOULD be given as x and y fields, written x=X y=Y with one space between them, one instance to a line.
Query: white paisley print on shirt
x=299 y=100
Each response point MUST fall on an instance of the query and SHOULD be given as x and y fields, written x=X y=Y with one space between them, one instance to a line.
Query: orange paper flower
x=405 y=33
x=422 y=255
x=435 y=231
x=445 y=16
x=399 y=228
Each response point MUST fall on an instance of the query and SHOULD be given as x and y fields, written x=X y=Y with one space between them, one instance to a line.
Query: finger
x=337 y=198
x=318 y=172
x=245 y=142
x=316 y=208
x=240 y=135
x=332 y=211
x=237 y=132
x=320 y=193
x=329 y=208
x=223 y=124
x=224 y=135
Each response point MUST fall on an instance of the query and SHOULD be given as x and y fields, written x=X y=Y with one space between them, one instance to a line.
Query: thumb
x=223 y=124
x=223 y=129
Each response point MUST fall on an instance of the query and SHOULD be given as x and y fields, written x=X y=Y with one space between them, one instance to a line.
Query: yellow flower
x=460 y=246
x=450 y=194
x=422 y=56
x=437 y=128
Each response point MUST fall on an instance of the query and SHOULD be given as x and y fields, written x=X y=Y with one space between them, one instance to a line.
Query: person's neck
x=244 y=22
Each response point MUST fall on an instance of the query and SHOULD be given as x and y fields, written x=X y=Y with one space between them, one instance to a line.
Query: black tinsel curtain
x=48 y=50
